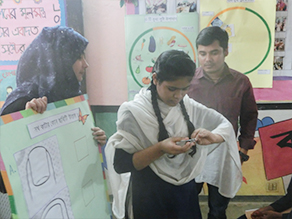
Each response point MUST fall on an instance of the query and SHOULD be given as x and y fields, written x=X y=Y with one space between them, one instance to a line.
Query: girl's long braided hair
x=170 y=66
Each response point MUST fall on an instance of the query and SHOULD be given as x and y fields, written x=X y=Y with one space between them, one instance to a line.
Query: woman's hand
x=99 y=135
x=169 y=146
x=204 y=137
x=37 y=104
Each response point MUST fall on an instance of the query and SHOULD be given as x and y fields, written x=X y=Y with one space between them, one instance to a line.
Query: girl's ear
x=154 y=78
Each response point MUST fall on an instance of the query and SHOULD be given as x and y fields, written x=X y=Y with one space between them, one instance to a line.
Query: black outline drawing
x=56 y=202
x=284 y=142
x=44 y=179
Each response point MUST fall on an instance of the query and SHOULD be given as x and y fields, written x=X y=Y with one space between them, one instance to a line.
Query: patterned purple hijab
x=45 y=68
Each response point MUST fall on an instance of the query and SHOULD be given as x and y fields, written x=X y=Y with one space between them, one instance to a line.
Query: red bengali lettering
x=8 y=73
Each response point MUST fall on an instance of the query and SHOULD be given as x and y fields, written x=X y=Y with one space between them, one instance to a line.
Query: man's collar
x=200 y=72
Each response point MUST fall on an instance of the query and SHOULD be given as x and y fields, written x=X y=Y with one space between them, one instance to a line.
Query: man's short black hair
x=209 y=34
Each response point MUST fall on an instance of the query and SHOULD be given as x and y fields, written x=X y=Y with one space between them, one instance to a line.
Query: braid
x=162 y=130
x=191 y=127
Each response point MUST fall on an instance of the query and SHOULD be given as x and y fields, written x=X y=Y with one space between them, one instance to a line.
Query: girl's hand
x=205 y=137
x=169 y=146
x=143 y=158
x=99 y=135
x=37 y=104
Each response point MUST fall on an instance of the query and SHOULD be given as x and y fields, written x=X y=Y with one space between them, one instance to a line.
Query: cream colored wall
x=104 y=28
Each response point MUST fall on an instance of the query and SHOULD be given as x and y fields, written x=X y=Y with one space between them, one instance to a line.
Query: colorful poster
x=7 y=81
x=52 y=166
x=254 y=177
x=147 y=36
x=282 y=75
x=22 y=21
x=255 y=181
x=277 y=148
x=251 y=28
x=281 y=91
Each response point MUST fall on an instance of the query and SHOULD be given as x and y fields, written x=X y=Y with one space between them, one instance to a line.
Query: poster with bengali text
x=250 y=25
x=50 y=163
x=255 y=181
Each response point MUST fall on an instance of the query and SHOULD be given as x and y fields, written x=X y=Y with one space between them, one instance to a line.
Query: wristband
x=243 y=156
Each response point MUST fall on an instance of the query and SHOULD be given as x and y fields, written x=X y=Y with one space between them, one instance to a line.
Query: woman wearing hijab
x=49 y=70
x=45 y=68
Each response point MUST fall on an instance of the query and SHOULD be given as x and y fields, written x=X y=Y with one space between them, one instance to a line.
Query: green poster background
x=73 y=178
x=147 y=36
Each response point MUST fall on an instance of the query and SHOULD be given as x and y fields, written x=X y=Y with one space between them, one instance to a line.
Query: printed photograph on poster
x=217 y=22
x=278 y=62
x=229 y=28
x=156 y=6
x=186 y=6
x=280 y=24
x=281 y=5
x=279 y=44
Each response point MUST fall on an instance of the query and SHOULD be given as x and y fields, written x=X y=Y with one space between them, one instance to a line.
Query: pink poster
x=281 y=92
x=22 y=21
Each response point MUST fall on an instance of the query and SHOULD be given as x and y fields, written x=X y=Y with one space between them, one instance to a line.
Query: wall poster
x=51 y=165
x=255 y=181
x=147 y=36
x=250 y=25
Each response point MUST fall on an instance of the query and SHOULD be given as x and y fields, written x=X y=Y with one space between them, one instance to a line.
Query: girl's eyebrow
x=179 y=88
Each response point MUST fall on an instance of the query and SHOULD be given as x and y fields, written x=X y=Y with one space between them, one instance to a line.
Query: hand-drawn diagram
x=39 y=168
x=54 y=164
x=41 y=171
x=55 y=207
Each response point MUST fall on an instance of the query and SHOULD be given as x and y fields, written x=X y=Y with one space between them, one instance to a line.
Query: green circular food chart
x=149 y=45
x=250 y=33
